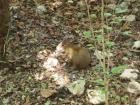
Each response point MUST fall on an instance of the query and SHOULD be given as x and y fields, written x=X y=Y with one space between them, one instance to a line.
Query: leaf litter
x=35 y=32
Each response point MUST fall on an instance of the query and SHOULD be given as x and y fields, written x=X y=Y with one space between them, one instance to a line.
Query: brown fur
x=78 y=56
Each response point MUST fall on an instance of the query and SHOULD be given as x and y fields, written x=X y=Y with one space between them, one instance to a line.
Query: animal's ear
x=67 y=40
x=74 y=41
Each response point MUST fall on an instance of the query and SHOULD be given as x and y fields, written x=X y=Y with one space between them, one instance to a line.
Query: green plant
x=87 y=34
x=119 y=69
x=99 y=82
x=109 y=43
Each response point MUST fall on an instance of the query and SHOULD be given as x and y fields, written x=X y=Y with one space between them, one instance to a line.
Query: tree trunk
x=4 y=24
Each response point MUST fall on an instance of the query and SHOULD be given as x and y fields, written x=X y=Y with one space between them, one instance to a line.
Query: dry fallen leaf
x=77 y=87
x=138 y=101
x=27 y=102
x=130 y=74
x=0 y=90
x=2 y=78
x=51 y=64
x=130 y=18
x=40 y=9
x=47 y=92
x=96 y=96
x=134 y=87
x=136 y=45
x=101 y=55
x=61 y=78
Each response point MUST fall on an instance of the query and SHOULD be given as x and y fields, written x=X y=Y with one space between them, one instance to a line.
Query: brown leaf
x=2 y=78
x=0 y=90
x=125 y=26
x=27 y=102
x=47 y=92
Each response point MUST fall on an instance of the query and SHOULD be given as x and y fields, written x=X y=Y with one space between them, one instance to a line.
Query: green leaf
x=18 y=68
x=44 y=85
x=119 y=69
x=121 y=10
x=47 y=103
x=99 y=81
x=99 y=38
x=126 y=33
x=108 y=28
x=107 y=14
x=99 y=68
x=117 y=20
x=90 y=46
x=110 y=43
x=94 y=16
x=87 y=34
x=125 y=98
x=29 y=77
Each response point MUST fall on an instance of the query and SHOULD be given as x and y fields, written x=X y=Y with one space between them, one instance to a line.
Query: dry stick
x=6 y=40
x=91 y=28
x=108 y=68
x=103 y=47
x=104 y=60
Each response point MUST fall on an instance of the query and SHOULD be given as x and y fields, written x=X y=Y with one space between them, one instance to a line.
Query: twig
x=90 y=22
x=6 y=40
x=104 y=60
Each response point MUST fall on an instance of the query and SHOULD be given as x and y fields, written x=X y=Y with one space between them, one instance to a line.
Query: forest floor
x=34 y=31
